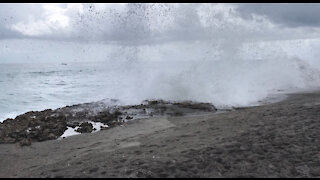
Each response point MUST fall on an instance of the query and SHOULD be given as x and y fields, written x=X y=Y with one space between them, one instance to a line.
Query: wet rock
x=51 y=124
x=85 y=127
x=32 y=126
x=197 y=106
x=106 y=117
x=72 y=124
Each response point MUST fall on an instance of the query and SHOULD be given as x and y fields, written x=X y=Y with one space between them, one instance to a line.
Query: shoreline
x=37 y=126
x=132 y=113
x=271 y=98
x=274 y=140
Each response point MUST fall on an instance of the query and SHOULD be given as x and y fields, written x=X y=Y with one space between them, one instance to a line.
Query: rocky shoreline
x=273 y=140
x=36 y=126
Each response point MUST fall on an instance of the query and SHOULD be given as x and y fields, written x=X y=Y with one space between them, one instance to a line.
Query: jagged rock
x=51 y=124
x=106 y=117
x=72 y=124
x=32 y=126
x=85 y=127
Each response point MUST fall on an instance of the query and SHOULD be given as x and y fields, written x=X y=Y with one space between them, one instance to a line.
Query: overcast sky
x=149 y=23
x=286 y=14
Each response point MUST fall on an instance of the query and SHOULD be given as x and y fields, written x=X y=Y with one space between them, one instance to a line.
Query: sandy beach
x=273 y=140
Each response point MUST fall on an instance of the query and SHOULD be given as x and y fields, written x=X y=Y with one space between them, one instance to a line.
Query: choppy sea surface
x=26 y=87
x=38 y=86
x=33 y=87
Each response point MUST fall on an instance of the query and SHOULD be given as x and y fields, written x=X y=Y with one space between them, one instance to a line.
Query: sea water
x=224 y=83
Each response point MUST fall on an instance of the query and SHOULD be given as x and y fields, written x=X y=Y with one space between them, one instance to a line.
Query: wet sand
x=275 y=140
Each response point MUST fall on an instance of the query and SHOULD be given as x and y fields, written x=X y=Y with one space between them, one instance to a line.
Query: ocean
x=37 y=75
x=26 y=87
x=39 y=86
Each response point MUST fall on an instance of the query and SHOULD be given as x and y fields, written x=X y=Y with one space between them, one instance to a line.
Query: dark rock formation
x=34 y=126
x=51 y=124
x=197 y=106
x=85 y=127
x=129 y=117
x=72 y=124
x=108 y=118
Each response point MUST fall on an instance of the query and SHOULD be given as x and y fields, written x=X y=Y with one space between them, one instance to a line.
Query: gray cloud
x=11 y=13
x=287 y=14
x=150 y=23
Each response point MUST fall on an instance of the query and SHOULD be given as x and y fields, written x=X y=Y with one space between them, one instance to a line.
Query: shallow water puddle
x=72 y=131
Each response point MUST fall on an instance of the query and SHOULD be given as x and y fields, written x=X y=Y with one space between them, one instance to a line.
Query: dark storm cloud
x=287 y=14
